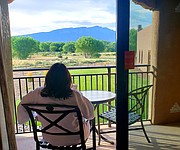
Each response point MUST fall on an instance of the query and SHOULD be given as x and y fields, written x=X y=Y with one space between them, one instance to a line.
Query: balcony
x=97 y=78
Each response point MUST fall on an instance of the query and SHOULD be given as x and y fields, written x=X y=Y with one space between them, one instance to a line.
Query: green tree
x=58 y=45
x=110 y=47
x=37 y=47
x=23 y=46
x=53 y=48
x=13 y=51
x=133 y=40
x=44 y=46
x=61 y=44
x=69 y=47
x=105 y=43
x=89 y=46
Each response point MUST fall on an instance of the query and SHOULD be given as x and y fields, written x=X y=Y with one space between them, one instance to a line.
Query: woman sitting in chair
x=58 y=90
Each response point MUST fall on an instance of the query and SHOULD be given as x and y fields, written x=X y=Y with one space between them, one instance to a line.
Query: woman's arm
x=85 y=106
x=22 y=113
x=29 y=98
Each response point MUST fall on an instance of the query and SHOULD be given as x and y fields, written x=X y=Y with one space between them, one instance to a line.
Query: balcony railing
x=87 y=78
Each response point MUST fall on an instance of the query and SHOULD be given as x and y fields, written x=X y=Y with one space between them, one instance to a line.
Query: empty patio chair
x=136 y=99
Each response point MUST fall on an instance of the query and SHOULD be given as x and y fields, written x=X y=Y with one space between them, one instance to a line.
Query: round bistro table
x=98 y=97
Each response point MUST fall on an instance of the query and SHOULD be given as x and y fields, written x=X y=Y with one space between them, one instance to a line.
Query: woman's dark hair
x=57 y=82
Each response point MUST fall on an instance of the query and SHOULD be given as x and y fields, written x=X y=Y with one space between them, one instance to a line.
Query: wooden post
x=0 y=139
x=6 y=104
x=6 y=78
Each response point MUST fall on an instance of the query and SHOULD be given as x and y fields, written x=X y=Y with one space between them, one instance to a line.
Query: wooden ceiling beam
x=147 y=4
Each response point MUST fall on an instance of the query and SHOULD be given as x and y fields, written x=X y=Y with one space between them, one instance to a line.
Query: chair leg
x=37 y=146
x=98 y=124
x=93 y=133
x=145 y=132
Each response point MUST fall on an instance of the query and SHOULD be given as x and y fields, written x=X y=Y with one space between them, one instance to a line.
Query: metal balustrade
x=86 y=78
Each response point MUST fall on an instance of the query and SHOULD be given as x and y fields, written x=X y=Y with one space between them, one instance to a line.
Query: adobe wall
x=144 y=44
x=166 y=63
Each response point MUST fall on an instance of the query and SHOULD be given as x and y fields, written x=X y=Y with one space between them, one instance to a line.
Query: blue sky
x=32 y=16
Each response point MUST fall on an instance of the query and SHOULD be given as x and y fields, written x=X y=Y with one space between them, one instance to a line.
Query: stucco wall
x=144 y=46
x=166 y=62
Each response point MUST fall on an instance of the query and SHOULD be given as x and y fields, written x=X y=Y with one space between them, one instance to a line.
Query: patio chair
x=137 y=100
x=61 y=111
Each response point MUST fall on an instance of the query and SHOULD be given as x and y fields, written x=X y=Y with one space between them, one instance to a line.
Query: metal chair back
x=62 y=111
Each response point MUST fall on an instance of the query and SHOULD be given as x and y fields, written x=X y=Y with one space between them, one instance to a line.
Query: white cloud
x=38 y=16
x=32 y=16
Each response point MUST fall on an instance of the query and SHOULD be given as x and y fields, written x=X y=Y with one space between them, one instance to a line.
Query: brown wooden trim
x=6 y=103
x=0 y=139
x=10 y=1
x=3 y=82
x=147 y=4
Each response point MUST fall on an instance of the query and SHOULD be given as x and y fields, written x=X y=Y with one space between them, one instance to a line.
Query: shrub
x=59 y=55
x=29 y=74
x=45 y=54
x=74 y=54
x=96 y=55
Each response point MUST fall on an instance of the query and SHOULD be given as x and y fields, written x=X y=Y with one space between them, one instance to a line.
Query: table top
x=98 y=97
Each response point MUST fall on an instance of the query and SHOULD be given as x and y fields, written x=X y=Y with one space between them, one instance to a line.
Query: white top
x=99 y=97
x=77 y=99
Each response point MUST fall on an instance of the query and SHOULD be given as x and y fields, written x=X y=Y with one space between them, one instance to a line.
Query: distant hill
x=72 y=34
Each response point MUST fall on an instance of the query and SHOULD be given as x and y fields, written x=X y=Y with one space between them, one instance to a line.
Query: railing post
x=109 y=79
x=109 y=89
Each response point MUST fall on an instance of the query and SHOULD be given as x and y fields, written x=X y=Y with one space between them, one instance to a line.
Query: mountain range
x=72 y=34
